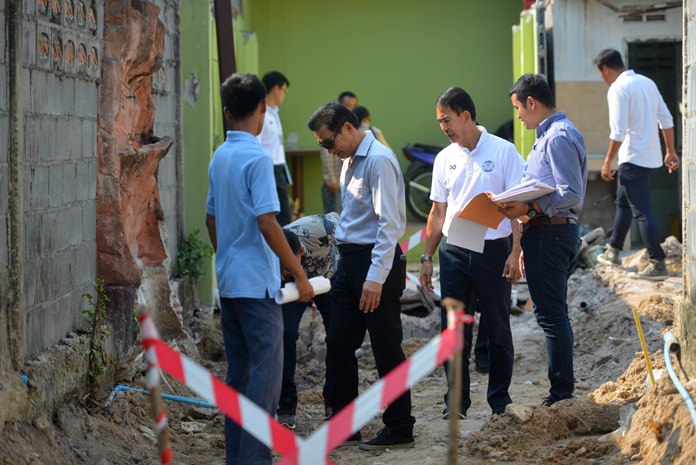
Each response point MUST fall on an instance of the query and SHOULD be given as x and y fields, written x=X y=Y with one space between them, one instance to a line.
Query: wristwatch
x=426 y=258
x=531 y=213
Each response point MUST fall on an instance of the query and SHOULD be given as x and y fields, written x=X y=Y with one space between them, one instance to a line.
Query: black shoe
x=445 y=414
x=549 y=401
x=354 y=440
x=286 y=417
x=388 y=439
x=481 y=369
x=498 y=410
x=328 y=411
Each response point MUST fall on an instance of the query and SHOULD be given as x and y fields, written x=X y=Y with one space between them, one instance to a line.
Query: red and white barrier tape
x=258 y=423
x=413 y=241
x=354 y=416
x=149 y=332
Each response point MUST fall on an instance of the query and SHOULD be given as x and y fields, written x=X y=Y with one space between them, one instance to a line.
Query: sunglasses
x=329 y=143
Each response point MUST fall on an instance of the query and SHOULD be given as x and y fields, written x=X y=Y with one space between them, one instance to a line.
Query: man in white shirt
x=271 y=138
x=475 y=162
x=636 y=109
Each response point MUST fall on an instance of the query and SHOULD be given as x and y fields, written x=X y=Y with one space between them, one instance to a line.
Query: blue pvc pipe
x=185 y=400
x=671 y=345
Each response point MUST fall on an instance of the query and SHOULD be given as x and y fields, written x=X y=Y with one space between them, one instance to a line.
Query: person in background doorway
x=271 y=138
x=348 y=99
x=636 y=110
x=365 y=121
x=550 y=241
x=241 y=220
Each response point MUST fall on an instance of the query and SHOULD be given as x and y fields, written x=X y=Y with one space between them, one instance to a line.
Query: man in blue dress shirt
x=550 y=241
x=241 y=220
x=371 y=276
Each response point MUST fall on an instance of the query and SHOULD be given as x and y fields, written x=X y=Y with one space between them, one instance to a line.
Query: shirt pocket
x=355 y=188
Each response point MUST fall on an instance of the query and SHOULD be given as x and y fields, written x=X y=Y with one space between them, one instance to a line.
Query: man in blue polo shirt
x=241 y=220
x=550 y=241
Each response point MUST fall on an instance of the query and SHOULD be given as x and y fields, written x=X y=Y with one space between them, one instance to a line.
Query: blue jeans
x=633 y=201
x=550 y=256
x=466 y=276
x=292 y=314
x=253 y=331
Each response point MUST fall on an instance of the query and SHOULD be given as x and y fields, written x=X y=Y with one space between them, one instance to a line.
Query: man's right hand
x=426 y=276
x=304 y=288
x=607 y=173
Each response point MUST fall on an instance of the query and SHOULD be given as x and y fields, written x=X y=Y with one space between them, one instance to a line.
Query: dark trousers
x=466 y=275
x=292 y=315
x=633 y=201
x=281 y=179
x=347 y=331
x=550 y=255
x=480 y=349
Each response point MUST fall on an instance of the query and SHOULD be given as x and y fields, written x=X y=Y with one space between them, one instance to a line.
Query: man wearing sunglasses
x=371 y=275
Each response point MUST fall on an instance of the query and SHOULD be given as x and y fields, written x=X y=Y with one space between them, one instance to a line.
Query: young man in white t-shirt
x=271 y=138
x=475 y=162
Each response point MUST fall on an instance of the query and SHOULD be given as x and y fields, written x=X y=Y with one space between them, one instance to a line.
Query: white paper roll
x=289 y=293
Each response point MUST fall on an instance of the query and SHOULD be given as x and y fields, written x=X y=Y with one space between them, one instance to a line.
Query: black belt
x=546 y=220
x=349 y=248
x=496 y=241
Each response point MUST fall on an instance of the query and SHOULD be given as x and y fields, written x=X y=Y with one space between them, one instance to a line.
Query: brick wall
x=61 y=58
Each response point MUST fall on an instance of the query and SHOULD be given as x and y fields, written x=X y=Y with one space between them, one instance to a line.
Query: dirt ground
x=615 y=418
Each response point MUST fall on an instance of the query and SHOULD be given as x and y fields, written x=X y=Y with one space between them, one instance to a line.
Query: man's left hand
x=513 y=209
x=371 y=295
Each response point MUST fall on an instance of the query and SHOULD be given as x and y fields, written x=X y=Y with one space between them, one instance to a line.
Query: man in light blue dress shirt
x=371 y=274
x=241 y=220
x=550 y=241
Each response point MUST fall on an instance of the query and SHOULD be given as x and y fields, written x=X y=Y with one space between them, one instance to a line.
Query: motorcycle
x=419 y=177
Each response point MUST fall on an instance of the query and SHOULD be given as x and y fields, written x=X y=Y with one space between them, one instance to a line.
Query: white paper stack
x=524 y=192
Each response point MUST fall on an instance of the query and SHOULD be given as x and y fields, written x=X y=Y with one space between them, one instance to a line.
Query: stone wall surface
x=685 y=319
x=131 y=223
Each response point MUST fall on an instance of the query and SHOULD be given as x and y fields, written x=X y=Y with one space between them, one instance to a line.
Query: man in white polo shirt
x=475 y=162
x=271 y=138
x=636 y=109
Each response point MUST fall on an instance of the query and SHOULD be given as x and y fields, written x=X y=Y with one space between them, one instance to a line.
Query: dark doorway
x=662 y=62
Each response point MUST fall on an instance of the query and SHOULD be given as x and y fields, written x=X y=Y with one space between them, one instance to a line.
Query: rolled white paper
x=289 y=293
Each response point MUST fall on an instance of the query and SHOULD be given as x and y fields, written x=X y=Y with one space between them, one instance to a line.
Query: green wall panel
x=397 y=56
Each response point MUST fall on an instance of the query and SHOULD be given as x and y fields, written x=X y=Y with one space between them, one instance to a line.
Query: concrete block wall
x=61 y=58
x=4 y=192
x=685 y=318
x=166 y=91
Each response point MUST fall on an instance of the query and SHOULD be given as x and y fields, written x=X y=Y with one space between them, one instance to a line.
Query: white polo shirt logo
x=488 y=166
